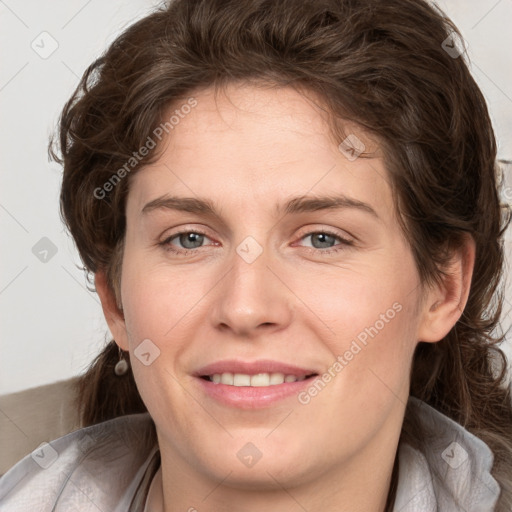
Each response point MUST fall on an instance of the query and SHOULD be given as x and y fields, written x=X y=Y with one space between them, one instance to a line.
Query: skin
x=247 y=151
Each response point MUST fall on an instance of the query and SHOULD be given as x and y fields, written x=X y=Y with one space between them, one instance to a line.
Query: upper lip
x=252 y=368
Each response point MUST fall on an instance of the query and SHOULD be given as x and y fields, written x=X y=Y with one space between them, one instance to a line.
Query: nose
x=253 y=296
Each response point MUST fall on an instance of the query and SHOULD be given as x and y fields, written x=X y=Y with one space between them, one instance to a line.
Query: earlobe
x=445 y=303
x=112 y=312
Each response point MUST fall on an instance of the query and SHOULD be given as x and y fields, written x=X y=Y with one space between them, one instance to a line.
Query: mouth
x=256 y=380
x=253 y=385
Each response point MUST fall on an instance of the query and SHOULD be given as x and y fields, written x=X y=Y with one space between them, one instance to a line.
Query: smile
x=258 y=380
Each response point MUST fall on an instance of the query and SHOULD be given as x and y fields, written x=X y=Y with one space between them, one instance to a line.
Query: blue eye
x=192 y=240
x=185 y=238
x=326 y=237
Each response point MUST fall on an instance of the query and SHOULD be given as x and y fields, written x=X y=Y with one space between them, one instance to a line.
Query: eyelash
x=183 y=252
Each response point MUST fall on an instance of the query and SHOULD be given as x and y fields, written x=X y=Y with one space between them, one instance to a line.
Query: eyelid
x=342 y=234
x=198 y=231
x=307 y=231
x=183 y=229
x=345 y=241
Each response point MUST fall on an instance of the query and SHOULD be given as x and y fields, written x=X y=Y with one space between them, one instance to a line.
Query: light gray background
x=51 y=325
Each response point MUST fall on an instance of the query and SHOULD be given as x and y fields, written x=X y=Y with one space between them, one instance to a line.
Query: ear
x=113 y=314
x=444 y=304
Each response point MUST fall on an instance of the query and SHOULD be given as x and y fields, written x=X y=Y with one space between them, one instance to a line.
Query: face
x=268 y=282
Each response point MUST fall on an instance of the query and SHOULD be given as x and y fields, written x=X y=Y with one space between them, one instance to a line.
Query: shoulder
x=451 y=471
x=93 y=468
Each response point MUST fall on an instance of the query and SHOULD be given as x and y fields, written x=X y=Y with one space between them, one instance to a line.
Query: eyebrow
x=295 y=205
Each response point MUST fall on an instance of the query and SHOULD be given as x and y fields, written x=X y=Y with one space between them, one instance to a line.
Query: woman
x=330 y=342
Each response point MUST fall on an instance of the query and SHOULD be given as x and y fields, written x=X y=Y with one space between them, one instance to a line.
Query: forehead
x=252 y=147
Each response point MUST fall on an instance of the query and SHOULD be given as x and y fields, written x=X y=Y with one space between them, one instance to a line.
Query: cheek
x=372 y=320
x=158 y=306
x=368 y=378
x=158 y=300
x=364 y=304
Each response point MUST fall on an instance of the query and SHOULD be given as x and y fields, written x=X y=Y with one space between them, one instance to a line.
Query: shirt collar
x=453 y=472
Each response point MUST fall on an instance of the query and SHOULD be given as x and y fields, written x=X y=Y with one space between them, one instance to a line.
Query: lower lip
x=248 y=397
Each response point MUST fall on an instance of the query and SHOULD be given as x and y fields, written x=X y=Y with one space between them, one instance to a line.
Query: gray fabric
x=106 y=468
x=452 y=474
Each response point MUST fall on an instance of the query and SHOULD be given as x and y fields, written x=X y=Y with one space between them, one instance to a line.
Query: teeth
x=261 y=379
x=258 y=380
x=239 y=379
x=276 y=378
x=226 y=378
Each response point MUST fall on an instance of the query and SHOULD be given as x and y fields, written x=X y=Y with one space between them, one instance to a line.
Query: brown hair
x=381 y=64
